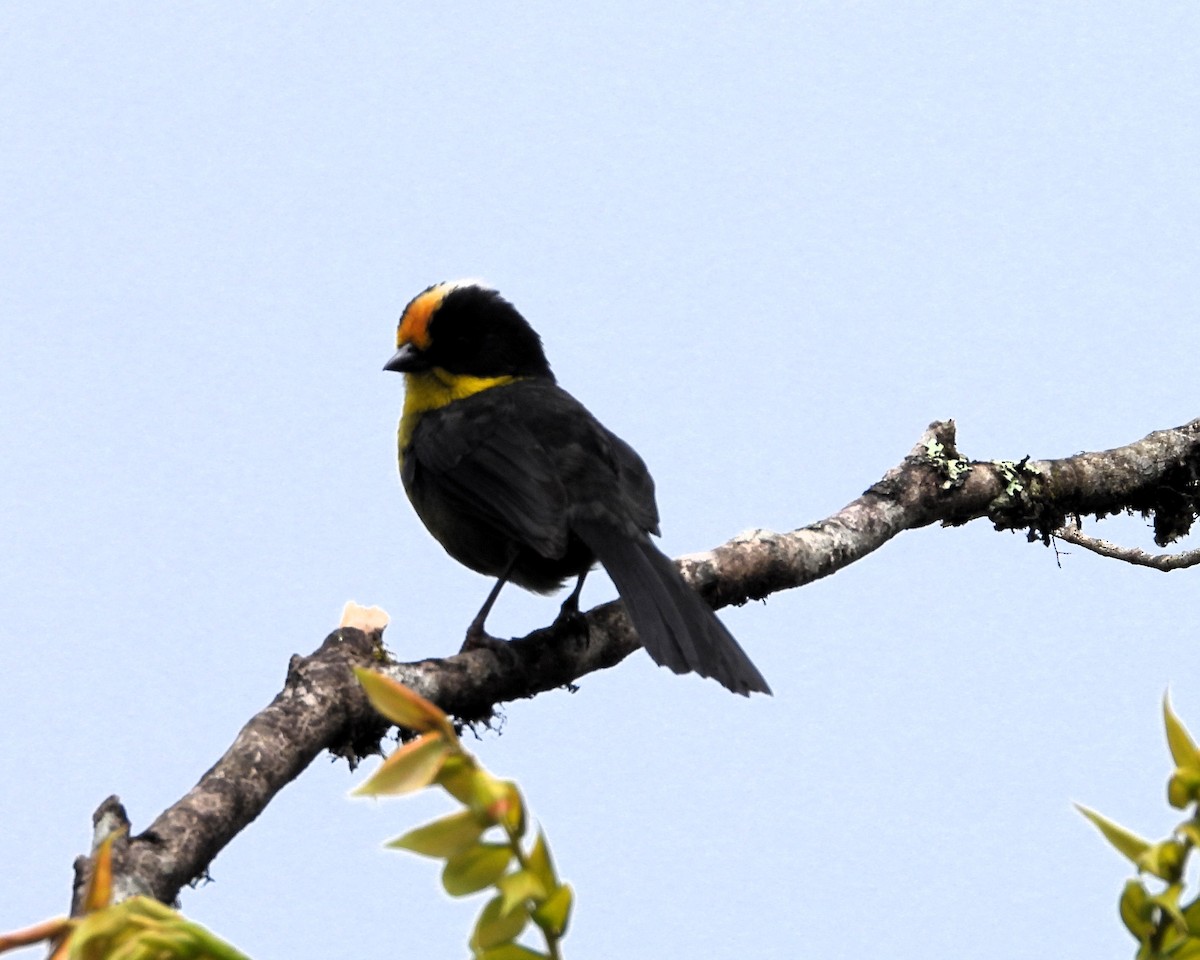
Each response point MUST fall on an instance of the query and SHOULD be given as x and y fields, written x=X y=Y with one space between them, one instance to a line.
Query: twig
x=1155 y=561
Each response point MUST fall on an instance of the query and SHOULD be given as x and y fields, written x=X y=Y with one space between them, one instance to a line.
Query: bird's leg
x=570 y=606
x=476 y=635
x=569 y=614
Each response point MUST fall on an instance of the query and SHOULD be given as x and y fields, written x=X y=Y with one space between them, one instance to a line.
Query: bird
x=517 y=480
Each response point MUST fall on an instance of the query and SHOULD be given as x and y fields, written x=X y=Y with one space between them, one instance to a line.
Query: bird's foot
x=478 y=639
x=571 y=620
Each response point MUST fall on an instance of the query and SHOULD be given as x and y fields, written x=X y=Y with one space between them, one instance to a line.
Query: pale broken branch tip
x=366 y=619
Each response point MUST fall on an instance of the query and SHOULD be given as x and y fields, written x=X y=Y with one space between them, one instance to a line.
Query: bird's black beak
x=407 y=359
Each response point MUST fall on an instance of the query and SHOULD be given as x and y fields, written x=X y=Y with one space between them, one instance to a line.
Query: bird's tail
x=677 y=628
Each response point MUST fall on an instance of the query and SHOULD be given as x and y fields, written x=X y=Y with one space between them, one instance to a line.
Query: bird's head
x=466 y=329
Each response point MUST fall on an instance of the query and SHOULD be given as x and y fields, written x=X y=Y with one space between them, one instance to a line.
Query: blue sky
x=765 y=244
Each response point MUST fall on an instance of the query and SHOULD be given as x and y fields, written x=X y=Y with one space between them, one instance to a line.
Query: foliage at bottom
x=1156 y=915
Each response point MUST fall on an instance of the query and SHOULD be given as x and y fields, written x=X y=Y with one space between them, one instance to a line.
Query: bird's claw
x=479 y=640
x=571 y=619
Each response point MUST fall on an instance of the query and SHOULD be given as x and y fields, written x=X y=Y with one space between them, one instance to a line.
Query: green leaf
x=509 y=809
x=1130 y=845
x=540 y=863
x=493 y=800
x=1189 y=949
x=410 y=768
x=143 y=928
x=476 y=868
x=1168 y=902
x=457 y=776
x=491 y=797
x=553 y=913
x=1191 y=914
x=1169 y=940
x=403 y=706
x=496 y=926
x=512 y=951
x=442 y=838
x=1136 y=911
x=1164 y=860
x=518 y=887
x=1189 y=830
x=1183 y=787
x=1183 y=748
x=1178 y=794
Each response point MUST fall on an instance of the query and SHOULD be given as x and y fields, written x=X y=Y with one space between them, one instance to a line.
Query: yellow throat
x=433 y=389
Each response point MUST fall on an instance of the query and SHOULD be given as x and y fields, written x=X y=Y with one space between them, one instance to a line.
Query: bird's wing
x=604 y=478
x=635 y=485
x=483 y=461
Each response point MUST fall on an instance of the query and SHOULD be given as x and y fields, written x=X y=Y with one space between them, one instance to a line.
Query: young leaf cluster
x=483 y=844
x=1165 y=927
x=139 y=928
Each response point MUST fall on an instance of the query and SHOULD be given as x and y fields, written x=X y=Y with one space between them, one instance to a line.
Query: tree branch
x=321 y=706
x=1165 y=562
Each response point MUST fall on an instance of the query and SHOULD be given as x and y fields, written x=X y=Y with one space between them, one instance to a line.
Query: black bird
x=517 y=480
